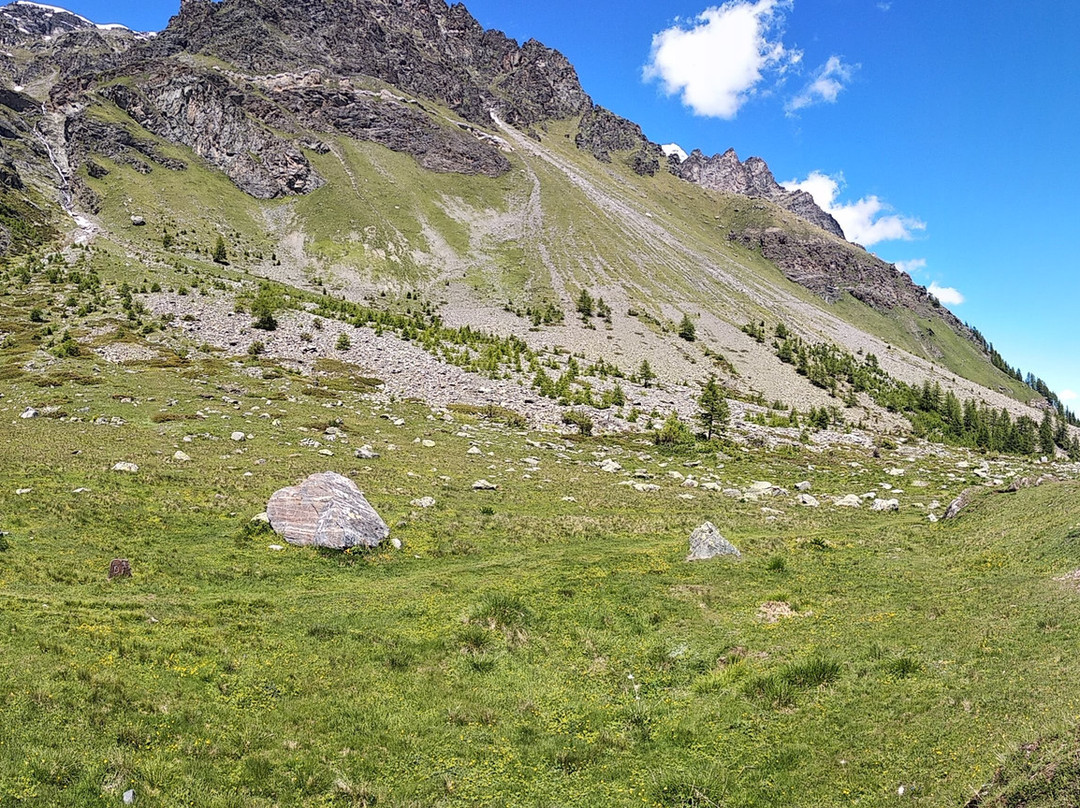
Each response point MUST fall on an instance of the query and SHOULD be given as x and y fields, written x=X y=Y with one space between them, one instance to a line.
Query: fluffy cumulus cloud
x=946 y=294
x=866 y=221
x=717 y=61
x=825 y=86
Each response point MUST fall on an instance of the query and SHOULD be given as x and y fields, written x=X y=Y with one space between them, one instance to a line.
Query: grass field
x=522 y=648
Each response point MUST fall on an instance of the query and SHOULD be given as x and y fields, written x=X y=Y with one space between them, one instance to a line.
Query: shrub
x=579 y=419
x=343 y=342
x=673 y=432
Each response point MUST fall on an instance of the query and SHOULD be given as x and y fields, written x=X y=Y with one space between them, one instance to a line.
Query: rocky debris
x=124 y=466
x=181 y=457
x=646 y=488
x=88 y=135
x=326 y=510
x=365 y=452
x=829 y=267
x=423 y=502
x=473 y=450
x=805 y=485
x=1021 y=483
x=138 y=221
x=129 y=797
x=119 y=568
x=848 y=501
x=22 y=491
x=29 y=412
x=808 y=500
x=752 y=178
x=885 y=505
x=706 y=542
x=237 y=436
x=960 y=503
x=484 y=485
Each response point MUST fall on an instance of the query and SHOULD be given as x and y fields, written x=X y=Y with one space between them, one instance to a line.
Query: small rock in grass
x=484 y=485
x=423 y=502
x=21 y=491
x=119 y=568
x=181 y=457
x=885 y=505
x=238 y=436
x=30 y=412
x=808 y=500
x=474 y=450
x=706 y=542
x=275 y=547
x=365 y=452
x=124 y=466
x=129 y=795
x=850 y=501
x=805 y=485
x=427 y=444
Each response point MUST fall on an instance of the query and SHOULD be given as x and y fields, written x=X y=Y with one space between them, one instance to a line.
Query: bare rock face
x=706 y=542
x=829 y=268
x=326 y=510
x=726 y=173
x=602 y=132
x=210 y=115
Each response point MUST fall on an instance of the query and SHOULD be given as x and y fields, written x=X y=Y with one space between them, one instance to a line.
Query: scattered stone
x=423 y=502
x=395 y=543
x=885 y=505
x=326 y=510
x=182 y=457
x=30 y=412
x=803 y=486
x=690 y=482
x=427 y=444
x=326 y=453
x=275 y=547
x=474 y=450
x=238 y=436
x=959 y=503
x=129 y=795
x=646 y=488
x=365 y=452
x=119 y=568
x=21 y=491
x=569 y=499
x=138 y=221
x=706 y=542
x=484 y=485
x=895 y=472
x=610 y=466
x=261 y=518
x=81 y=491
x=850 y=501
x=124 y=466
x=808 y=500
x=932 y=517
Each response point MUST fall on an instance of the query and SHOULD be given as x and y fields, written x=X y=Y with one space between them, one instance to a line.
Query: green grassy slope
x=522 y=648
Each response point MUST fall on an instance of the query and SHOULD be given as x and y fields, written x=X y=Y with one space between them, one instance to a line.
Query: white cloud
x=717 y=62
x=915 y=265
x=865 y=221
x=946 y=294
x=828 y=81
x=1068 y=395
x=674 y=148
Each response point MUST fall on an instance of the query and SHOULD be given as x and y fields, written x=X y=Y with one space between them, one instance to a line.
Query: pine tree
x=645 y=375
x=687 y=329
x=221 y=256
x=714 y=412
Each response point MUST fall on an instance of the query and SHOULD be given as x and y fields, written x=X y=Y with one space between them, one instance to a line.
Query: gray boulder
x=959 y=503
x=326 y=510
x=706 y=542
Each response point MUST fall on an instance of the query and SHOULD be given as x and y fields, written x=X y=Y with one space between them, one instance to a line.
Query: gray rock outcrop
x=326 y=510
x=752 y=178
x=706 y=542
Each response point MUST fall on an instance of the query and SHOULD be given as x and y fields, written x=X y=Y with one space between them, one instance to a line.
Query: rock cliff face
x=424 y=47
x=724 y=172
x=602 y=132
x=829 y=268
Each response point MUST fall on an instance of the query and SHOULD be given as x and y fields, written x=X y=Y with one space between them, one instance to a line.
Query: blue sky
x=942 y=134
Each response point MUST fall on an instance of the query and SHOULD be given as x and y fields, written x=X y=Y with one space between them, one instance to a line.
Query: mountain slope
x=400 y=149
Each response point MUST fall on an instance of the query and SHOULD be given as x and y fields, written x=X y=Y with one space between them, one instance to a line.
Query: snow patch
x=674 y=148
